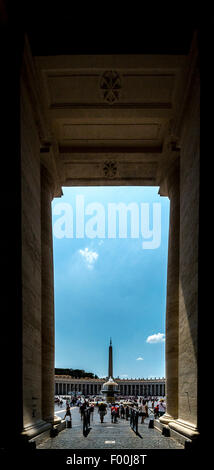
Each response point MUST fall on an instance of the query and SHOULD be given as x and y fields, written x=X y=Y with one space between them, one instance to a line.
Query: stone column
x=172 y=304
x=47 y=298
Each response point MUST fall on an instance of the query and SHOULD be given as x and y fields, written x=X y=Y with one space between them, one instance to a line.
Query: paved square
x=108 y=436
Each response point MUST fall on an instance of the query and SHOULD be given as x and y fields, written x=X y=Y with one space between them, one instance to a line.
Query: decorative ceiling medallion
x=110 y=84
x=110 y=169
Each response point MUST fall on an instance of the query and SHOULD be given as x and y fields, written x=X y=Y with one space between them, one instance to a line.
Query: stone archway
x=109 y=120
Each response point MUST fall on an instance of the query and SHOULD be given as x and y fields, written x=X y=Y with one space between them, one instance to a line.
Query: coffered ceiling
x=110 y=114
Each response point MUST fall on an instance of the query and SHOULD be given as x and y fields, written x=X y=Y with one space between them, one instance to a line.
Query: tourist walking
x=127 y=412
x=82 y=408
x=68 y=417
x=113 y=413
x=102 y=411
x=117 y=408
x=122 y=411
x=161 y=407
x=149 y=404
x=156 y=410
x=91 y=407
x=143 y=411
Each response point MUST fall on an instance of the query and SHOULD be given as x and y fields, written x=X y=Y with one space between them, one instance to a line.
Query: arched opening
x=110 y=252
x=70 y=135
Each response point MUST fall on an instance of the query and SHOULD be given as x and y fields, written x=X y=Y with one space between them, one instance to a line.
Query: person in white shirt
x=149 y=405
x=161 y=407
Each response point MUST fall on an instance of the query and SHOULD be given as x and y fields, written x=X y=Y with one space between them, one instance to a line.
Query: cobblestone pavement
x=108 y=435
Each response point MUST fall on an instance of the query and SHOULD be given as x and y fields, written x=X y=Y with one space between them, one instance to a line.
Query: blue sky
x=109 y=287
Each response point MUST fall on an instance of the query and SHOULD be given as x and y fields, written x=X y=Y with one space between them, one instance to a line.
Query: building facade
x=64 y=385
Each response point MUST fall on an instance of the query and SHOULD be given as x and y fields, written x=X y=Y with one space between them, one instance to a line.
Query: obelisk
x=110 y=388
x=110 y=361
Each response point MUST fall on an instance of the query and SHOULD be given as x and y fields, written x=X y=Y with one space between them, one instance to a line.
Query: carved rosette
x=110 y=169
x=110 y=85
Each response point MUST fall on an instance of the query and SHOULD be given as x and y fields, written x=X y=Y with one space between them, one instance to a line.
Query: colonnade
x=132 y=389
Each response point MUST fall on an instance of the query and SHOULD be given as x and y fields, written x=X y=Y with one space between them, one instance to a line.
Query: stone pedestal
x=190 y=430
x=172 y=306
x=47 y=298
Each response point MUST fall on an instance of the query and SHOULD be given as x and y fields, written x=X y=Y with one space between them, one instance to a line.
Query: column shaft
x=47 y=299
x=172 y=304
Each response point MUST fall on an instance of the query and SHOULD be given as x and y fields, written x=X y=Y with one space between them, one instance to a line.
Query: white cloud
x=124 y=376
x=139 y=358
x=157 y=338
x=89 y=256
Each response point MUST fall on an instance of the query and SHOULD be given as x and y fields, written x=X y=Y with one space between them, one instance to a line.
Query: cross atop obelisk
x=110 y=361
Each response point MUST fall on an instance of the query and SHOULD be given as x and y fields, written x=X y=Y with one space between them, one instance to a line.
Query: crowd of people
x=146 y=406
